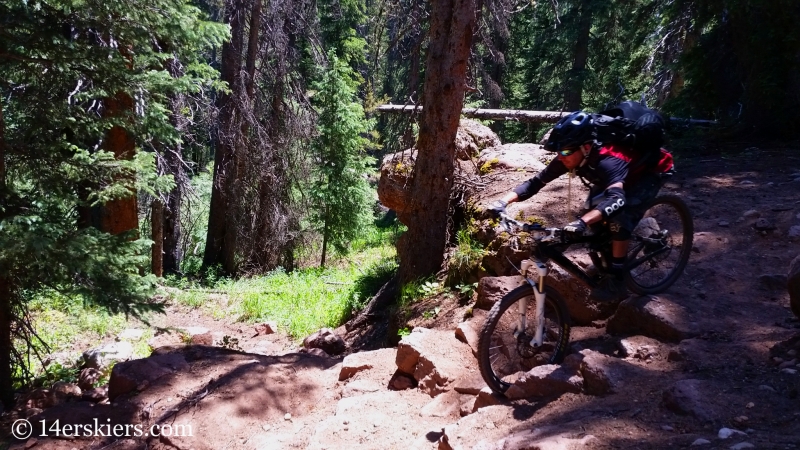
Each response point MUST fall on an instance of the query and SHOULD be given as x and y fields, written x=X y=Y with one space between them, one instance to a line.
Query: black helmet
x=571 y=131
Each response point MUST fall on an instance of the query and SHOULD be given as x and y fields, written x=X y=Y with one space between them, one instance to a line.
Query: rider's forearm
x=592 y=216
x=510 y=197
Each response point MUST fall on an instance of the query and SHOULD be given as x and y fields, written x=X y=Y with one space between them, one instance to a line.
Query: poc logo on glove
x=610 y=209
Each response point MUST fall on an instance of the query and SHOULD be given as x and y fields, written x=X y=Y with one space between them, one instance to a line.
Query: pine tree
x=340 y=195
x=63 y=63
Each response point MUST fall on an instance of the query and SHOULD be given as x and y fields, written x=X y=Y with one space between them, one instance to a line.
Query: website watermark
x=23 y=429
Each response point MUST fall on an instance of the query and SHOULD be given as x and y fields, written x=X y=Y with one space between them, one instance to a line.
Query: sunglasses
x=567 y=151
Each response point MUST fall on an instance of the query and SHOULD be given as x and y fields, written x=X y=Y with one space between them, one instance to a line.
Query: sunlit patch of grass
x=305 y=300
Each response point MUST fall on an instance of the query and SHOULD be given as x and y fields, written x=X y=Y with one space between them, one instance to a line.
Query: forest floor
x=745 y=358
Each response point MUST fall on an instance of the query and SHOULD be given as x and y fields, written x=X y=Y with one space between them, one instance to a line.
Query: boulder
x=470 y=383
x=576 y=298
x=362 y=361
x=688 y=397
x=360 y=387
x=487 y=397
x=512 y=157
x=266 y=328
x=445 y=405
x=793 y=284
x=88 y=377
x=468 y=331
x=130 y=334
x=639 y=347
x=101 y=357
x=604 y=374
x=655 y=317
x=326 y=340
x=492 y=289
x=433 y=358
x=139 y=373
x=472 y=137
x=546 y=380
x=396 y=170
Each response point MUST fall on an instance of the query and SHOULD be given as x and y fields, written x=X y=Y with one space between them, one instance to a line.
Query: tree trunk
x=221 y=237
x=120 y=215
x=574 y=91
x=6 y=385
x=173 y=159
x=451 y=27
x=157 y=228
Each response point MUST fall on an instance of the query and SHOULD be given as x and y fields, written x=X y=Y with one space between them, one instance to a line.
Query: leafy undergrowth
x=304 y=300
x=69 y=326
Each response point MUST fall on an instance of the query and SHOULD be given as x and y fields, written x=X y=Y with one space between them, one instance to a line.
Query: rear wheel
x=660 y=246
x=503 y=353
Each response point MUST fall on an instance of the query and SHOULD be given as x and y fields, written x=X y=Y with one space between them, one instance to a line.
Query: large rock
x=326 y=340
x=794 y=286
x=101 y=357
x=513 y=157
x=362 y=361
x=689 y=397
x=434 y=358
x=497 y=428
x=546 y=380
x=472 y=137
x=604 y=374
x=654 y=317
x=492 y=289
x=576 y=298
x=139 y=373
x=468 y=331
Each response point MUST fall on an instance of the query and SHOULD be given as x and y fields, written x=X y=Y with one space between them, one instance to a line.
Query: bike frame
x=544 y=252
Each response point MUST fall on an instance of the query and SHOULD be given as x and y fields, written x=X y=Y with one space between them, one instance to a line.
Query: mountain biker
x=622 y=184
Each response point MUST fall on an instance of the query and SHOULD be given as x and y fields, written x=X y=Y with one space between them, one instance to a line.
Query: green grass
x=305 y=300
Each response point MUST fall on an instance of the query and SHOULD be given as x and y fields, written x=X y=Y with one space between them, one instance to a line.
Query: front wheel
x=504 y=351
x=660 y=246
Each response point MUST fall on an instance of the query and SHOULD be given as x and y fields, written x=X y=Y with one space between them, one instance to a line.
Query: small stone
x=724 y=223
x=725 y=433
x=791 y=352
x=700 y=441
x=287 y=416
x=786 y=364
x=266 y=328
x=789 y=371
x=745 y=183
x=31 y=443
x=771 y=183
x=750 y=405
x=794 y=232
x=345 y=422
x=777 y=360
x=740 y=420
x=763 y=224
x=742 y=445
x=667 y=428
x=764 y=387
x=751 y=214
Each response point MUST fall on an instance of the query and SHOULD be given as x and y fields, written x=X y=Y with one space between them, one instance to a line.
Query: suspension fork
x=539 y=297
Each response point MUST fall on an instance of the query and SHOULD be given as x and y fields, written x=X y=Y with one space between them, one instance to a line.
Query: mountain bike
x=530 y=325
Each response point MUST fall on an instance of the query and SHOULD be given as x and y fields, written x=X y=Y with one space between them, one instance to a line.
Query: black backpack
x=632 y=124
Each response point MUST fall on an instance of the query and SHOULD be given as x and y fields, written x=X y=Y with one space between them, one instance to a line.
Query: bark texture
x=120 y=215
x=421 y=248
x=574 y=92
x=221 y=239
x=157 y=228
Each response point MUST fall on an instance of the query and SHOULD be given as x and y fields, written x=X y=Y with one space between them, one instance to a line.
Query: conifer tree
x=340 y=195
x=61 y=63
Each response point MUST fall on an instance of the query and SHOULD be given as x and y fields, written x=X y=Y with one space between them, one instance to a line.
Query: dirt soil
x=745 y=358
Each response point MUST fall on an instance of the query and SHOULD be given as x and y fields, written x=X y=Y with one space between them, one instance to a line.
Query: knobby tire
x=556 y=339
x=634 y=280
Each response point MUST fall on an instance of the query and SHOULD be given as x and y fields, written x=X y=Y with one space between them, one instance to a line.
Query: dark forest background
x=110 y=111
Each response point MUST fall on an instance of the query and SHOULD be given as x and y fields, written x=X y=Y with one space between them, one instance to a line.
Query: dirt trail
x=731 y=292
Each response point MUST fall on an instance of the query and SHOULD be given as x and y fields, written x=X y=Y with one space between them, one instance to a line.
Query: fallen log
x=519 y=115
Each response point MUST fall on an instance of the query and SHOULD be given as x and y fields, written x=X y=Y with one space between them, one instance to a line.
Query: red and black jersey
x=604 y=167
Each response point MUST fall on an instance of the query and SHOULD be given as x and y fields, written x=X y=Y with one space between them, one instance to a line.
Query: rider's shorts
x=624 y=222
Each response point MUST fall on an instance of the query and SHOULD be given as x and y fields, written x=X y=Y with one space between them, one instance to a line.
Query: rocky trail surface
x=712 y=363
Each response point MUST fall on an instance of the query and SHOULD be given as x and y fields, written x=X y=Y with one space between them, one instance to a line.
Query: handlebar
x=537 y=232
